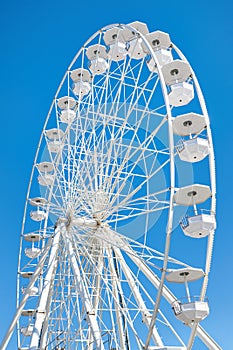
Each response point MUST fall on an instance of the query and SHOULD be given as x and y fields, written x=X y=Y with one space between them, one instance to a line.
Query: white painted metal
x=176 y=72
x=184 y=274
x=45 y=167
x=38 y=201
x=54 y=134
x=199 y=226
x=146 y=316
x=101 y=187
x=66 y=102
x=32 y=237
x=32 y=252
x=190 y=195
x=163 y=56
x=181 y=94
x=81 y=88
x=46 y=179
x=191 y=311
x=158 y=40
x=80 y=74
x=95 y=51
x=98 y=65
x=189 y=123
x=193 y=150
x=48 y=281
x=38 y=215
x=84 y=295
x=67 y=115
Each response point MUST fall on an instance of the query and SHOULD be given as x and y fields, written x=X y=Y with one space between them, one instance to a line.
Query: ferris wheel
x=119 y=221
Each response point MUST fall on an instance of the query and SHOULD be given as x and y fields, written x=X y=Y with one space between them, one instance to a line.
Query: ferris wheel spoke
x=132 y=213
x=85 y=297
x=106 y=298
x=129 y=156
x=137 y=295
x=122 y=132
x=118 y=302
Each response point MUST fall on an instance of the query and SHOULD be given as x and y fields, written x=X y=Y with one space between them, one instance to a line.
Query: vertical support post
x=41 y=311
x=84 y=295
x=187 y=289
x=116 y=301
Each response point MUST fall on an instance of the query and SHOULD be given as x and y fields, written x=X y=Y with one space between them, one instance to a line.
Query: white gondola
x=45 y=167
x=32 y=253
x=189 y=123
x=38 y=201
x=27 y=331
x=54 y=134
x=55 y=146
x=98 y=65
x=117 y=46
x=191 y=310
x=192 y=195
x=135 y=49
x=175 y=72
x=181 y=94
x=160 y=43
x=38 y=215
x=81 y=78
x=158 y=40
x=163 y=56
x=32 y=237
x=97 y=55
x=67 y=116
x=66 y=102
x=81 y=88
x=117 y=51
x=175 y=75
x=187 y=274
x=135 y=43
x=80 y=74
x=198 y=226
x=129 y=34
x=46 y=179
x=27 y=274
x=28 y=312
x=193 y=150
x=32 y=291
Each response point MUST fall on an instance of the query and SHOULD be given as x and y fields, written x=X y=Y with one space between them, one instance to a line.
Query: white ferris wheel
x=119 y=221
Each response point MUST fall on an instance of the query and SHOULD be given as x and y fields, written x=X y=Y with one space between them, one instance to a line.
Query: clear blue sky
x=38 y=40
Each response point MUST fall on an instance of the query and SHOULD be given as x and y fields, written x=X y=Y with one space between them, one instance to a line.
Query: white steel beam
x=48 y=281
x=116 y=300
x=137 y=295
x=84 y=295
